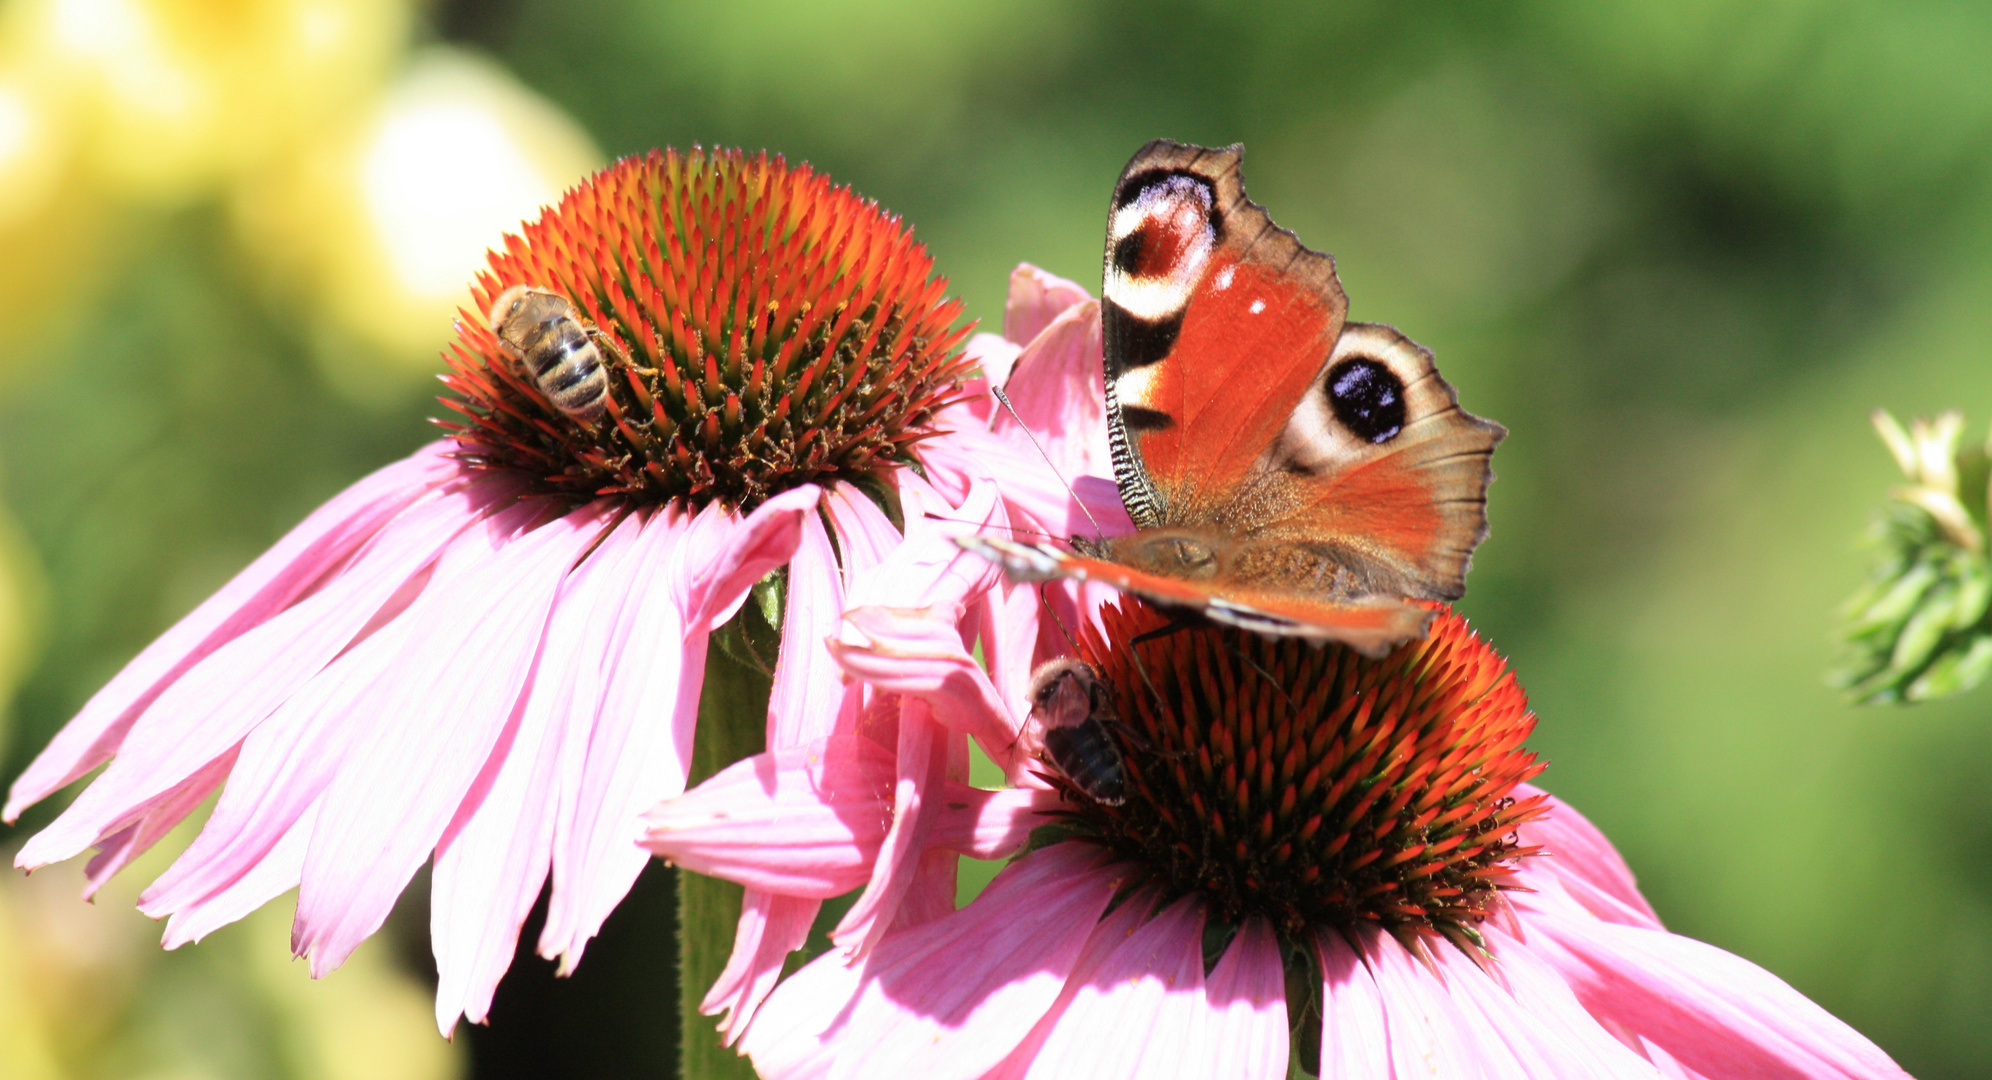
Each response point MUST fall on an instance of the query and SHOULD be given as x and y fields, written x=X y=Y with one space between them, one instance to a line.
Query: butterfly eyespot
x=1368 y=398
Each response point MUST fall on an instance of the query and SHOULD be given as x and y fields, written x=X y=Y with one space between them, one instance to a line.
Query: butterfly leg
x=1177 y=622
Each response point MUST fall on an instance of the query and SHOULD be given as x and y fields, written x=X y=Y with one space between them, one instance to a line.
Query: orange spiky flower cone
x=763 y=329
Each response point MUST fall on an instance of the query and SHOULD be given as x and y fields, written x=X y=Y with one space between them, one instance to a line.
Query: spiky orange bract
x=1313 y=786
x=778 y=330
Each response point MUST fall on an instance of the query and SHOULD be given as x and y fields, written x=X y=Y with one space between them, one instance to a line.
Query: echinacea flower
x=490 y=654
x=1322 y=861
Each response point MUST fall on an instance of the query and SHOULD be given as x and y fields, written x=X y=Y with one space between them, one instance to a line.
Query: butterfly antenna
x=1004 y=399
x=931 y=516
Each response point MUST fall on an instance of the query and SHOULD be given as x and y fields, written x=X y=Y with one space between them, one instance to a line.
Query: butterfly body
x=1286 y=470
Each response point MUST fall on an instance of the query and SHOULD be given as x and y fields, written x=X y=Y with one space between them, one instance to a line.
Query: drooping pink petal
x=803 y=821
x=442 y=709
x=1035 y=299
x=1517 y=1010
x=1452 y=1019
x=1245 y=1033
x=809 y=700
x=865 y=536
x=1113 y=928
x=808 y=690
x=994 y=355
x=1586 y=863
x=918 y=654
x=771 y=927
x=928 y=570
x=985 y=824
x=282 y=770
x=1355 y=1036
x=723 y=558
x=137 y=838
x=221 y=699
x=293 y=566
x=640 y=751
x=922 y=765
x=636 y=632
x=275 y=873
x=1138 y=1012
x=495 y=855
x=1716 y=1013
x=945 y=1000
x=1059 y=393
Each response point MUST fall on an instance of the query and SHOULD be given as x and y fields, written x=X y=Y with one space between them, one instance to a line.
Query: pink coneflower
x=491 y=653
x=1321 y=860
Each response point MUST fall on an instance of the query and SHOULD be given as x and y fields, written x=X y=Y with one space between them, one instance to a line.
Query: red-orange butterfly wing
x=1296 y=455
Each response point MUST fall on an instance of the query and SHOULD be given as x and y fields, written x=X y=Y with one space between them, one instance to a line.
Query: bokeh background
x=1679 y=247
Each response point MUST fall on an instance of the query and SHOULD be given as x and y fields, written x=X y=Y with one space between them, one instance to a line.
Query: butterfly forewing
x=1214 y=320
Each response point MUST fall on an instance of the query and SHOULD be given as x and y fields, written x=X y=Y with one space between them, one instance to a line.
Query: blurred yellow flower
x=384 y=225
x=171 y=96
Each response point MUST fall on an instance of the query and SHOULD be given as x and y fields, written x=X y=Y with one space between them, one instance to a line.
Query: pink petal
x=637 y=633
x=946 y=999
x=928 y=571
x=808 y=690
x=1715 y=1013
x=1060 y=395
x=1456 y=1021
x=922 y=763
x=803 y=821
x=865 y=536
x=1355 y=1035
x=213 y=706
x=137 y=838
x=1036 y=298
x=920 y=655
x=771 y=927
x=1245 y=1034
x=809 y=701
x=988 y=824
x=495 y=856
x=1141 y=1012
x=994 y=355
x=282 y=770
x=1112 y=930
x=473 y=635
x=723 y=557
x=275 y=873
x=1586 y=863
x=642 y=743
x=287 y=571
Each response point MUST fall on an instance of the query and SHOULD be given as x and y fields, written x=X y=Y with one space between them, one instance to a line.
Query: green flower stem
x=733 y=712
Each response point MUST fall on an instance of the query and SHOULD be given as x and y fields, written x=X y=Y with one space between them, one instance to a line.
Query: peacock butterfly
x=1287 y=471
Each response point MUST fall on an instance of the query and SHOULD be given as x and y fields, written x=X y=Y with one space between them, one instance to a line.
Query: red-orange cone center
x=1312 y=786
x=704 y=326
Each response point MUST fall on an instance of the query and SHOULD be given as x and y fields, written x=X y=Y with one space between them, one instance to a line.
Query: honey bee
x=548 y=340
x=1073 y=708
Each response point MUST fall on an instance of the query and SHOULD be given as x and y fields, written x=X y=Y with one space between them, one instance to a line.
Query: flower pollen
x=760 y=328
x=1313 y=786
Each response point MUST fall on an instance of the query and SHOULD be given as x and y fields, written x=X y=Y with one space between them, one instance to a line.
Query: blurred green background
x=1679 y=247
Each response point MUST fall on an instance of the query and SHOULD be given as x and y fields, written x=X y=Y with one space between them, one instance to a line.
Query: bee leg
x=605 y=340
